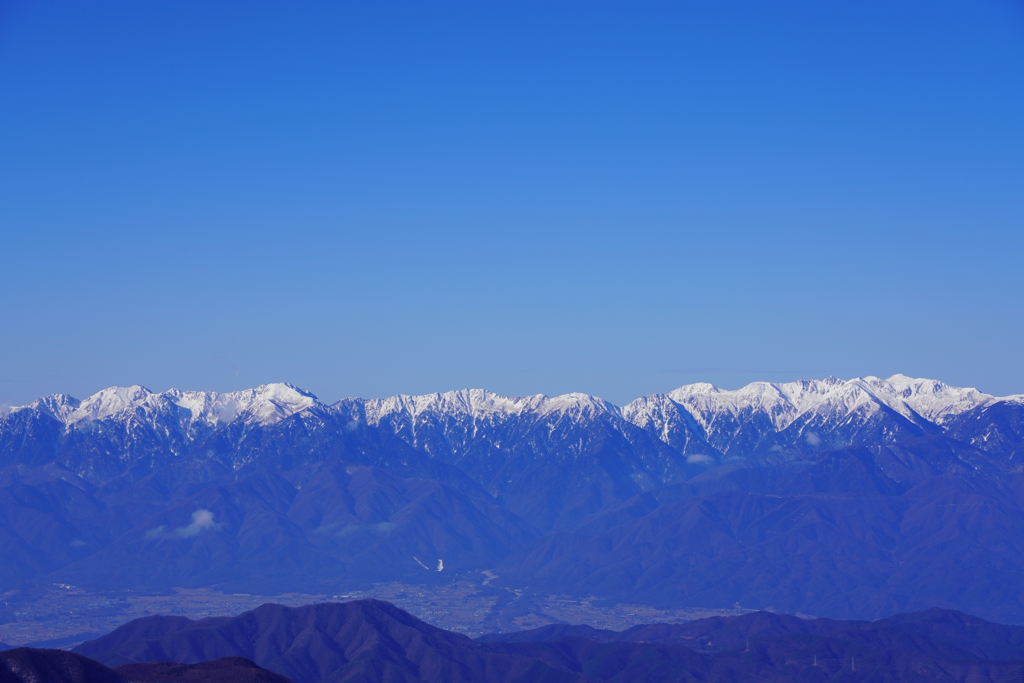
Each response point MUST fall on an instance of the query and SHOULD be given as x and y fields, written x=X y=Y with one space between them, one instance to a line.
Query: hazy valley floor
x=66 y=616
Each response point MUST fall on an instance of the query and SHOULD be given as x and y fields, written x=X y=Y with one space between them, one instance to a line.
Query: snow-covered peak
x=577 y=404
x=781 y=402
x=266 y=404
x=658 y=413
x=929 y=398
x=274 y=402
x=108 y=402
x=697 y=389
x=58 y=406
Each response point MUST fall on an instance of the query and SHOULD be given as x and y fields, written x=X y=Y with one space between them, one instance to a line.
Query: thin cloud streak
x=740 y=371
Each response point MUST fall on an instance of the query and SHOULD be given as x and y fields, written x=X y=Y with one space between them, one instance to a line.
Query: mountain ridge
x=932 y=399
x=266 y=489
x=370 y=640
x=703 y=424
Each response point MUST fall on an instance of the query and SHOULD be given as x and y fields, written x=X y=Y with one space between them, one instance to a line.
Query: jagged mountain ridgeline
x=852 y=499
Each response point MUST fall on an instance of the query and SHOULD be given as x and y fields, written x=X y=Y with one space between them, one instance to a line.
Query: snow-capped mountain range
x=265 y=404
x=697 y=496
x=501 y=443
x=915 y=399
x=734 y=422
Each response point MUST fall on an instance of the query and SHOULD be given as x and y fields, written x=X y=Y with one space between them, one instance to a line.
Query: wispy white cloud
x=202 y=520
x=737 y=371
x=158 y=532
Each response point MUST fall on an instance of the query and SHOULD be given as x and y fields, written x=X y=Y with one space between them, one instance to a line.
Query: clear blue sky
x=369 y=198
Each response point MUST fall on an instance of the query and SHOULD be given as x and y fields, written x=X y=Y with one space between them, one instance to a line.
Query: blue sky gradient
x=531 y=197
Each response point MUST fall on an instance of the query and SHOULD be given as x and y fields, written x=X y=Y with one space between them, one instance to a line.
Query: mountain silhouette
x=223 y=670
x=369 y=640
x=32 y=665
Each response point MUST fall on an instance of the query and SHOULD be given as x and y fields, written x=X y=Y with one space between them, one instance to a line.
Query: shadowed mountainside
x=32 y=665
x=224 y=670
x=833 y=535
x=317 y=643
x=263 y=532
